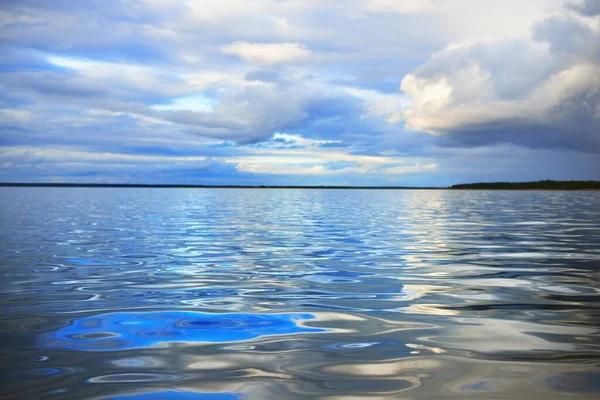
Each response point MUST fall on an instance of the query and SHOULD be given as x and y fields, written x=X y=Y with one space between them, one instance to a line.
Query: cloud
x=266 y=53
x=204 y=104
x=189 y=103
x=297 y=91
x=9 y=116
x=286 y=140
x=538 y=92
x=293 y=155
x=251 y=113
x=586 y=7
x=340 y=168
x=262 y=76
x=33 y=154
x=407 y=169
x=401 y=7
x=65 y=164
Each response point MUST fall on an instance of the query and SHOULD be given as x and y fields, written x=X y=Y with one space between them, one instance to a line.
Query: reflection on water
x=269 y=294
x=178 y=395
x=120 y=331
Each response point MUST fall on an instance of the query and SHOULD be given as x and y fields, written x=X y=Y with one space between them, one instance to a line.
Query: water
x=271 y=294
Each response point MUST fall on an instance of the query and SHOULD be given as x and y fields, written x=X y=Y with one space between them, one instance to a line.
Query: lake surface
x=283 y=294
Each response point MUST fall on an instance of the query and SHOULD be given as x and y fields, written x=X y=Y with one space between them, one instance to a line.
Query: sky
x=299 y=92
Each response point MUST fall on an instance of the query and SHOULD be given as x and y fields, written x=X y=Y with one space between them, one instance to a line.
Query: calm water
x=276 y=294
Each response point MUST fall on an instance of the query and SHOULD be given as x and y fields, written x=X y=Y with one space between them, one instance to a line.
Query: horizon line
x=547 y=184
x=201 y=186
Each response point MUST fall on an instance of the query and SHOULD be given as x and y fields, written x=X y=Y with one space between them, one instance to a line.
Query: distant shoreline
x=536 y=185
x=126 y=185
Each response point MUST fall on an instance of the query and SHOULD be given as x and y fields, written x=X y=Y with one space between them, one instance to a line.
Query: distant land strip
x=536 y=185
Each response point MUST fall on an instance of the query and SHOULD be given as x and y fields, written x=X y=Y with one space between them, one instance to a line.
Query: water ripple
x=120 y=331
x=269 y=294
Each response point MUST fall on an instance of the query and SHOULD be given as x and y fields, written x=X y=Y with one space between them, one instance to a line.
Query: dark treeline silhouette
x=537 y=185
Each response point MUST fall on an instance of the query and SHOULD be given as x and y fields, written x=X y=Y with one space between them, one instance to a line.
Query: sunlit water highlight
x=270 y=294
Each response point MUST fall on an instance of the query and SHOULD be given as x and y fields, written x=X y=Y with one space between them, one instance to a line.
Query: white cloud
x=125 y=76
x=469 y=21
x=401 y=7
x=381 y=105
x=58 y=154
x=308 y=158
x=324 y=72
x=145 y=121
x=13 y=115
x=461 y=98
x=408 y=169
x=267 y=53
x=191 y=103
x=551 y=80
x=268 y=167
x=437 y=105
x=297 y=140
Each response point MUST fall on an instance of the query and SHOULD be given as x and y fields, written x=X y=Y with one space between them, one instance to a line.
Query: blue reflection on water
x=91 y=261
x=178 y=395
x=128 y=330
x=43 y=372
x=575 y=381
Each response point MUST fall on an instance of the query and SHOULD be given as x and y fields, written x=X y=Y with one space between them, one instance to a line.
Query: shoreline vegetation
x=535 y=185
